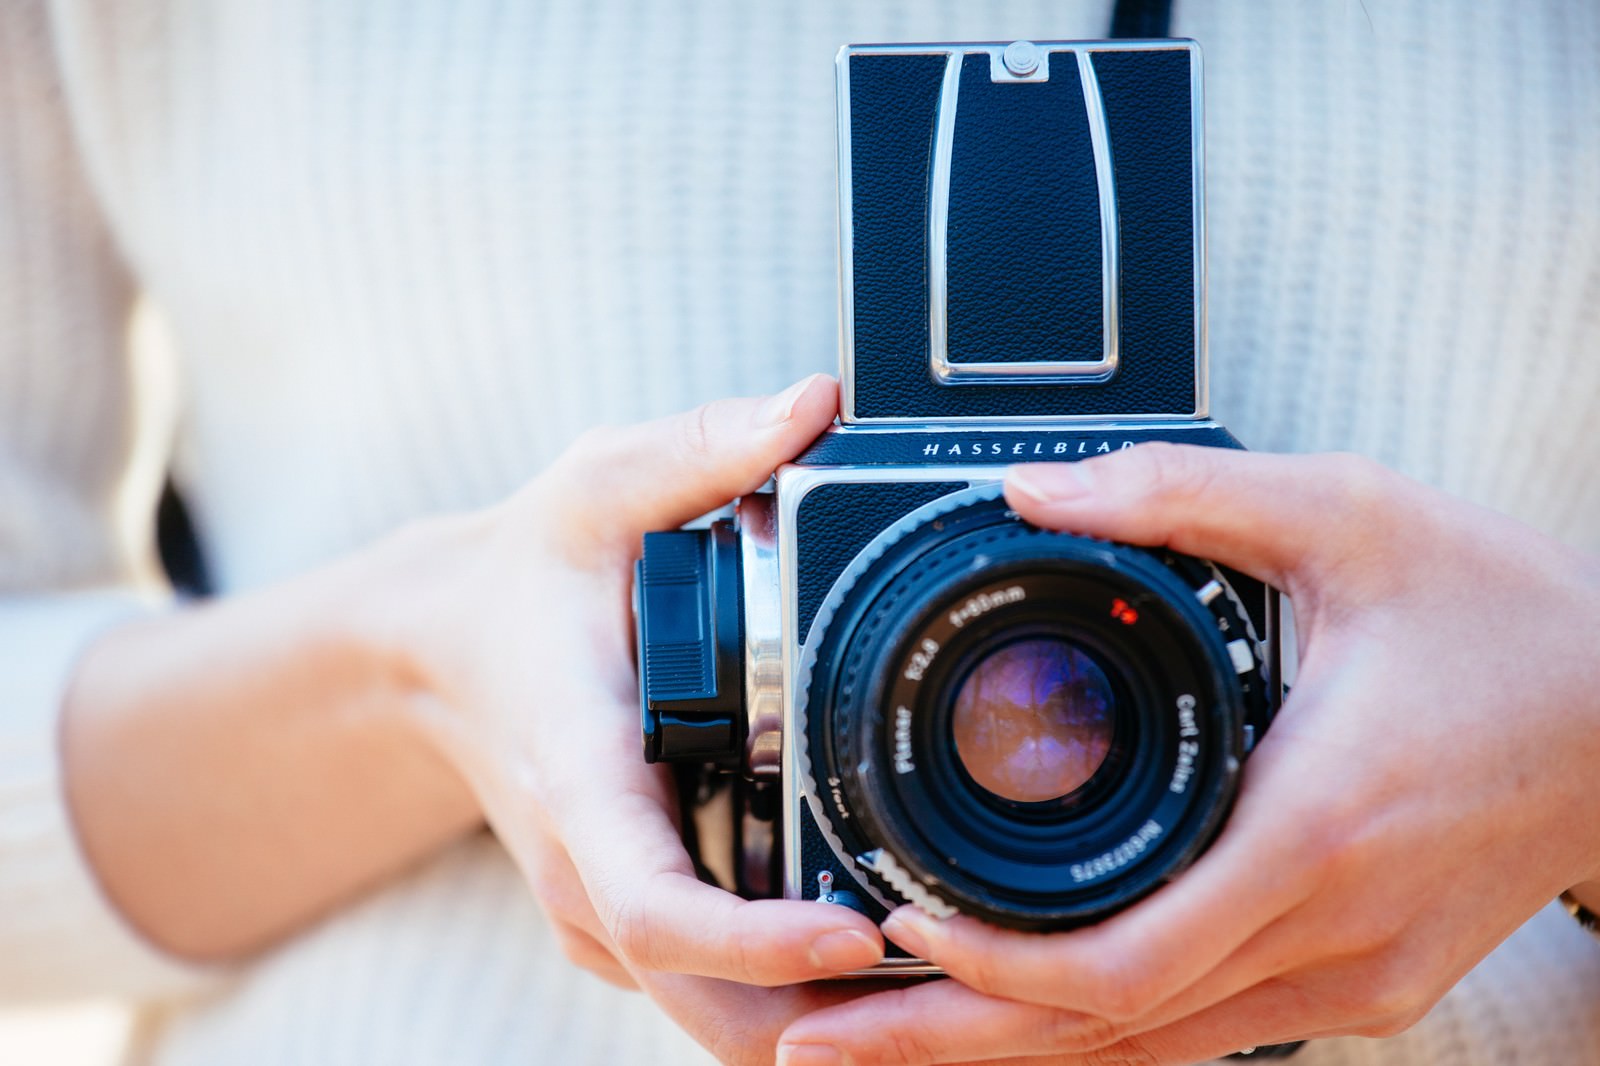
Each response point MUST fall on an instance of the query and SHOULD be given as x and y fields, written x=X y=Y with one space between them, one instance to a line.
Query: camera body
x=881 y=685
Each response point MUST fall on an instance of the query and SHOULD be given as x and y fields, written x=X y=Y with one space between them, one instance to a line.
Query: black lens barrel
x=879 y=717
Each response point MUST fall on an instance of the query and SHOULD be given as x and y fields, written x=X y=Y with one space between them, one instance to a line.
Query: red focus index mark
x=1123 y=613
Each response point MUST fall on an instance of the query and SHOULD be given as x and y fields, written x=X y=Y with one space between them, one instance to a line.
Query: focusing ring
x=1020 y=867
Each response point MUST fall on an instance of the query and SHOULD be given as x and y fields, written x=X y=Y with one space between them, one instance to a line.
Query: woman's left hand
x=1430 y=784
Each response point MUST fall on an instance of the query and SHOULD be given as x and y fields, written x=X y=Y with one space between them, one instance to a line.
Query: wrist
x=260 y=745
x=403 y=609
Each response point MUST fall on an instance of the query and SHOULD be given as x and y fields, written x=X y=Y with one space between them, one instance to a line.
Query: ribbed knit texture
x=408 y=251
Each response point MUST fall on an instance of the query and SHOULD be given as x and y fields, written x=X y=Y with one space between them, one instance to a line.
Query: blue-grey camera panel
x=836 y=521
x=1147 y=104
x=1024 y=257
x=894 y=101
x=991 y=447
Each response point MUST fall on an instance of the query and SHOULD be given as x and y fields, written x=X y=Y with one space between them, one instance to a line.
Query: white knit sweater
x=408 y=251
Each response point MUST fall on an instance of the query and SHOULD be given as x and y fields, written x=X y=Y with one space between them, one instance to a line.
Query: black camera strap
x=1141 y=18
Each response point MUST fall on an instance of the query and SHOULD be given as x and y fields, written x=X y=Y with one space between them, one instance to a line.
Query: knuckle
x=751 y=965
x=1168 y=471
x=629 y=928
x=906 y=1047
x=1391 y=989
x=1383 y=1028
x=1121 y=993
x=1126 y=1053
x=569 y=945
x=581 y=949
x=560 y=500
x=1328 y=842
x=1070 y=1031
x=1406 y=1019
x=552 y=892
x=1369 y=932
x=1344 y=857
x=1380 y=521
x=695 y=433
x=899 y=1044
x=979 y=971
x=589 y=448
x=1364 y=485
x=1380 y=1029
x=729 y=1038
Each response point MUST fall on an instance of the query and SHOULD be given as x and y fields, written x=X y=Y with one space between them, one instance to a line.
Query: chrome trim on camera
x=1197 y=122
x=944 y=144
x=1110 y=225
x=763 y=635
x=1037 y=371
x=1085 y=51
x=1030 y=425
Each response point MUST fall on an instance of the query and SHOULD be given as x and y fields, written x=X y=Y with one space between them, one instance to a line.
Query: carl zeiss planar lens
x=1033 y=720
x=1032 y=727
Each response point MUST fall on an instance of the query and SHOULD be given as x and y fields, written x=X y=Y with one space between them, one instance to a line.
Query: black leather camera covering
x=836 y=521
x=894 y=103
x=1024 y=259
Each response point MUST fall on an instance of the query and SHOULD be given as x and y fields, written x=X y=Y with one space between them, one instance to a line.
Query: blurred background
x=85 y=1034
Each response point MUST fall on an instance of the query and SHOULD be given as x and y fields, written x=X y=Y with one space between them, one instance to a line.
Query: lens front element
x=1033 y=720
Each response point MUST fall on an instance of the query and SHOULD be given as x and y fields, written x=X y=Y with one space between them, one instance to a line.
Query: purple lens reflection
x=1033 y=720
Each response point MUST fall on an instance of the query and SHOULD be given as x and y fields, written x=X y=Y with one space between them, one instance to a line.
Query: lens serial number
x=1117 y=857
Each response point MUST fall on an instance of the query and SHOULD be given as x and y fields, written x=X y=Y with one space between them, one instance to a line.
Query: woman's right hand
x=517 y=643
x=238 y=768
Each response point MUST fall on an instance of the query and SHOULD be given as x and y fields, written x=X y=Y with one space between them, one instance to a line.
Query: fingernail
x=1051 y=482
x=906 y=928
x=844 y=949
x=810 y=1055
x=780 y=408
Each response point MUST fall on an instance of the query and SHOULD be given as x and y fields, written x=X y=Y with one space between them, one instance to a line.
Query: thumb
x=619 y=482
x=1275 y=517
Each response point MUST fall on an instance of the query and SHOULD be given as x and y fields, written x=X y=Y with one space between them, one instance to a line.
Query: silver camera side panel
x=764 y=635
x=1020 y=373
x=794 y=483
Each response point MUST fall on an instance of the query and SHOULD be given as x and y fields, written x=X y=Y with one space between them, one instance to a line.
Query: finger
x=658 y=475
x=955 y=1023
x=740 y=1024
x=1267 y=515
x=1276 y=1012
x=660 y=916
x=934 y=1022
x=583 y=950
x=557 y=887
x=945 y=1022
x=1127 y=965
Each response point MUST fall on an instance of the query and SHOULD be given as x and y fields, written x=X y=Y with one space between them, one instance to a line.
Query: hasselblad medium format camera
x=881 y=685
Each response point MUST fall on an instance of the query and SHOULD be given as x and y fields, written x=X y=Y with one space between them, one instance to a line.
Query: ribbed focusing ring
x=1017 y=866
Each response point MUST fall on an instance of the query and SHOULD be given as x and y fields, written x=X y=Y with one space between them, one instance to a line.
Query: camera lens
x=1032 y=727
x=1033 y=720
